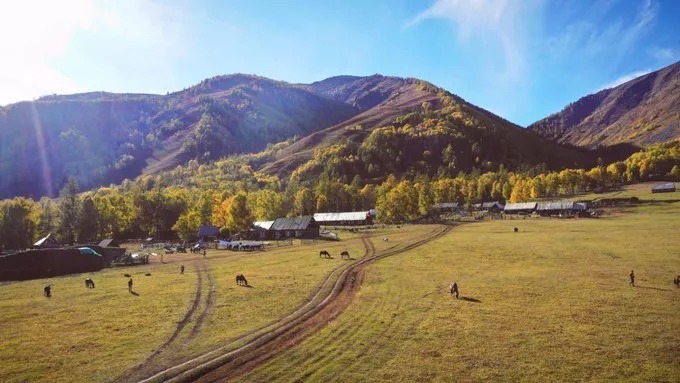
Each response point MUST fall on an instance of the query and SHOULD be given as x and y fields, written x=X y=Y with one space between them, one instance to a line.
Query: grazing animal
x=127 y=275
x=344 y=254
x=386 y=239
x=89 y=283
x=516 y=230
x=47 y=291
x=676 y=281
x=181 y=269
x=148 y=274
x=241 y=280
x=453 y=288
x=324 y=253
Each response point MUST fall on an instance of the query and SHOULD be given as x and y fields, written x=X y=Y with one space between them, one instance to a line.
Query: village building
x=260 y=230
x=446 y=207
x=304 y=227
x=560 y=208
x=355 y=218
x=208 y=233
x=664 y=188
x=492 y=207
x=521 y=208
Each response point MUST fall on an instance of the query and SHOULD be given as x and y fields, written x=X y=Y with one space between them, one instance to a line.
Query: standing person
x=181 y=269
x=130 y=285
x=632 y=279
x=47 y=291
x=203 y=253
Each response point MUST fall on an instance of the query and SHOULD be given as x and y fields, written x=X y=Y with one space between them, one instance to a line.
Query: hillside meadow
x=549 y=303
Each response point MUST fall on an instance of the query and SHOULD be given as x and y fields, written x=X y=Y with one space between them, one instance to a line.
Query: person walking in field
x=181 y=269
x=203 y=253
x=632 y=279
x=130 y=285
x=454 y=289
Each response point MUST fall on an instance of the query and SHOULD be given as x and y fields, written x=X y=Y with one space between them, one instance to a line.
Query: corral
x=520 y=297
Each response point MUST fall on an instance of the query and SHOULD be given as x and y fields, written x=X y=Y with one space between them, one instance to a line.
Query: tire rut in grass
x=208 y=305
x=246 y=352
x=250 y=359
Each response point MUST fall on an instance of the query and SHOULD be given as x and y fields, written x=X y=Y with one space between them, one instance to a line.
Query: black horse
x=241 y=280
x=324 y=253
x=344 y=254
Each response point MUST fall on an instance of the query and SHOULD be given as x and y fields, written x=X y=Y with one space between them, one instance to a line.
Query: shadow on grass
x=134 y=293
x=248 y=286
x=469 y=299
x=652 y=288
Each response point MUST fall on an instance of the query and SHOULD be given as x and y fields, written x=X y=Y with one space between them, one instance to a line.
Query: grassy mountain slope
x=408 y=130
x=643 y=111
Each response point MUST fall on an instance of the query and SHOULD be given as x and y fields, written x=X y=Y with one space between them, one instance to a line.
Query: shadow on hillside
x=468 y=299
x=248 y=286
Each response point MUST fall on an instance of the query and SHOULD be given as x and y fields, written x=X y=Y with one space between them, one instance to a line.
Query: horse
x=241 y=280
x=47 y=291
x=516 y=230
x=344 y=254
x=324 y=253
x=89 y=283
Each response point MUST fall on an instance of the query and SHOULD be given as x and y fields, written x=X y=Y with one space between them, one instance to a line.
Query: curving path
x=246 y=352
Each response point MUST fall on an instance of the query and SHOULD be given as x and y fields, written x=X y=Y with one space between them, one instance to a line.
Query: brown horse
x=241 y=280
x=324 y=253
x=344 y=254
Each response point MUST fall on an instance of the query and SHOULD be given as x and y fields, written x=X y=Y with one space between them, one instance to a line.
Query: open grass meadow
x=550 y=303
x=104 y=334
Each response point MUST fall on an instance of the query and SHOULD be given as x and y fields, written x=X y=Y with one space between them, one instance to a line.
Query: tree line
x=136 y=209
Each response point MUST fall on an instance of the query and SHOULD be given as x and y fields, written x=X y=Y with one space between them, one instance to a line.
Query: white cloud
x=624 y=79
x=500 y=20
x=664 y=55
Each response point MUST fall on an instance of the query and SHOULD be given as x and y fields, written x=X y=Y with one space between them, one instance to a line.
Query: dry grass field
x=550 y=303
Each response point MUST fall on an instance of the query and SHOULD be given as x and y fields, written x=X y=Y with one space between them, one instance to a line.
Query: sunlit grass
x=550 y=303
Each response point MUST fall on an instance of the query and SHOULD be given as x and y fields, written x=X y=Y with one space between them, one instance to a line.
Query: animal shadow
x=468 y=299
x=134 y=293
x=652 y=288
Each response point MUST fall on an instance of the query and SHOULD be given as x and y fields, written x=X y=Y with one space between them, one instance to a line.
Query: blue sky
x=521 y=59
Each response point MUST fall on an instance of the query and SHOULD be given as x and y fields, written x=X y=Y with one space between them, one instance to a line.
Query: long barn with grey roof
x=354 y=218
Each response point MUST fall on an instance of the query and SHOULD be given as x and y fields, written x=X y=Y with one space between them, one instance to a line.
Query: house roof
x=294 y=223
x=446 y=205
x=520 y=206
x=336 y=217
x=107 y=242
x=208 y=231
x=559 y=205
x=263 y=224
x=48 y=239
x=666 y=186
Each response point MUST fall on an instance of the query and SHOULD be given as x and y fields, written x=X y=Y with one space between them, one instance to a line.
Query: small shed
x=296 y=227
x=208 y=233
x=354 y=218
x=519 y=208
x=664 y=188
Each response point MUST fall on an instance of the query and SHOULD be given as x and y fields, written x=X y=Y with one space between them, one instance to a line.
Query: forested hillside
x=643 y=111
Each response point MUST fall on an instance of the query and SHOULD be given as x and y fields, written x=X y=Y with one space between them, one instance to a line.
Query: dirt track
x=242 y=354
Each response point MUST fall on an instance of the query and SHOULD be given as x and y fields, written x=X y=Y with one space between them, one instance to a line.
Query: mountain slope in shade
x=643 y=111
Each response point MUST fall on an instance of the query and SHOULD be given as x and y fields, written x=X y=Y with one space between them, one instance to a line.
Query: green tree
x=69 y=208
x=240 y=217
x=88 y=222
